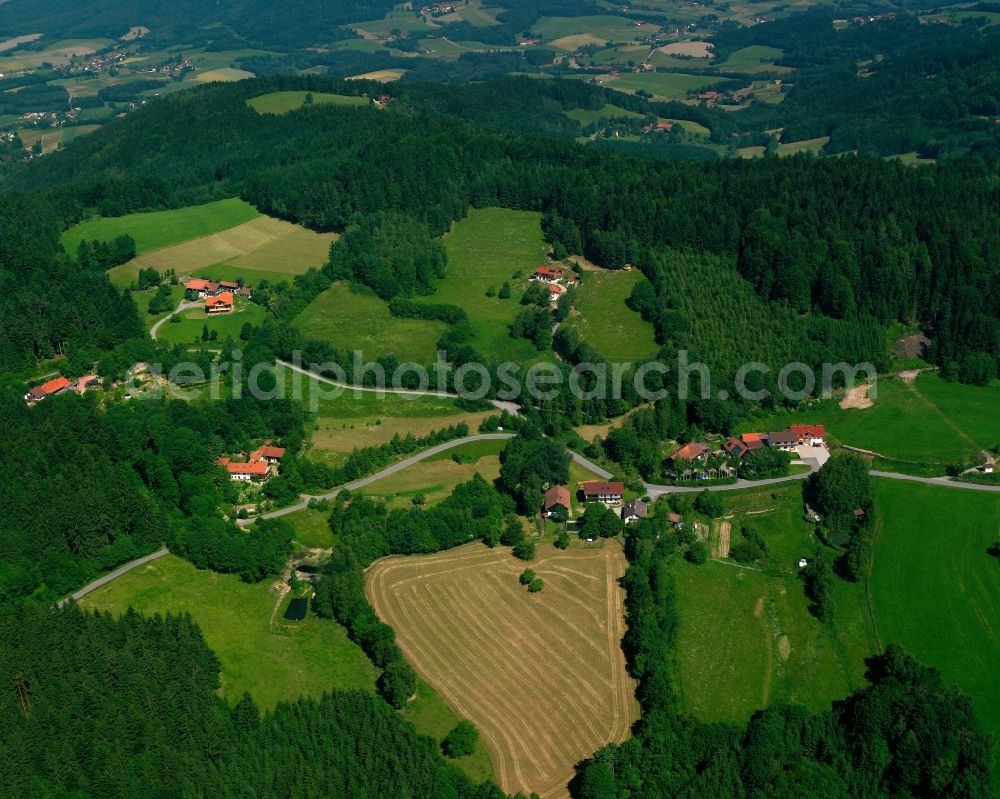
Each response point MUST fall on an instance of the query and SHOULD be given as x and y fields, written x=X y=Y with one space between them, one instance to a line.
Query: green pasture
x=669 y=85
x=935 y=589
x=259 y=651
x=189 y=329
x=284 y=102
x=157 y=229
x=606 y=322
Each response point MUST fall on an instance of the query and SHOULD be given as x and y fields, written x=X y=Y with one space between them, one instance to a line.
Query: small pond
x=297 y=609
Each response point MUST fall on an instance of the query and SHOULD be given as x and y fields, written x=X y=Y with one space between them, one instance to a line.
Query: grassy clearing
x=437 y=477
x=384 y=75
x=311 y=529
x=143 y=299
x=694 y=128
x=931 y=422
x=751 y=59
x=606 y=323
x=162 y=228
x=192 y=323
x=460 y=615
x=601 y=26
x=936 y=591
x=430 y=714
x=489 y=247
x=747 y=637
x=343 y=419
x=223 y=75
x=52 y=140
x=260 y=652
x=351 y=320
x=668 y=85
x=747 y=640
x=264 y=248
x=284 y=102
x=586 y=117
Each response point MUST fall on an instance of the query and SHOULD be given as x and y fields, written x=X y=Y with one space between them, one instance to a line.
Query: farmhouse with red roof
x=49 y=389
x=602 y=491
x=224 y=303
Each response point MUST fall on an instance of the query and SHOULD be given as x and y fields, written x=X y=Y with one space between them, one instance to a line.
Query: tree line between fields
x=906 y=733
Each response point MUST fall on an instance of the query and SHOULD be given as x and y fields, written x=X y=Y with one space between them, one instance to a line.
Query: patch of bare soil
x=911 y=346
x=725 y=532
x=857 y=398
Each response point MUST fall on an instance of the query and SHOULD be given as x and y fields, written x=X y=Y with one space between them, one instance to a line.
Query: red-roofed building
x=268 y=454
x=547 y=274
x=809 y=434
x=49 y=389
x=225 y=284
x=224 y=303
x=753 y=441
x=198 y=287
x=690 y=452
x=246 y=472
x=555 y=496
x=602 y=491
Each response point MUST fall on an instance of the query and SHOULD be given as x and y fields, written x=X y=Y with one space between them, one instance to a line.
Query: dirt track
x=541 y=675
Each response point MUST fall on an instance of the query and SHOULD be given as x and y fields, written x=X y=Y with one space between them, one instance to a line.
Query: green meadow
x=606 y=323
x=935 y=589
x=747 y=638
x=669 y=85
x=161 y=228
x=755 y=58
x=489 y=247
x=311 y=529
x=585 y=116
x=600 y=26
x=192 y=323
x=356 y=319
x=260 y=652
x=931 y=422
x=284 y=102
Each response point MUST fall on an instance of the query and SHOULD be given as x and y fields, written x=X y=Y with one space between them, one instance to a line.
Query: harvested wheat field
x=541 y=675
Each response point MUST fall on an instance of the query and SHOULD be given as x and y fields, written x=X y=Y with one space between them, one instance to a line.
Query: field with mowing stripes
x=162 y=228
x=263 y=248
x=541 y=675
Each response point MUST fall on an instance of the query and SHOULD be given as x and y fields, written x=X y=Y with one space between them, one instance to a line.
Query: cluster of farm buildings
x=688 y=458
x=557 y=281
x=608 y=493
x=257 y=467
x=220 y=297
x=59 y=385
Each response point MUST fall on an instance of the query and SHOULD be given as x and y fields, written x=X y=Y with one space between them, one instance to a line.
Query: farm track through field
x=542 y=676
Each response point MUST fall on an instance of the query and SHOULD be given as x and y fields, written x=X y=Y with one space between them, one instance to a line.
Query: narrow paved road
x=182 y=306
x=946 y=482
x=510 y=407
x=389 y=470
x=107 y=578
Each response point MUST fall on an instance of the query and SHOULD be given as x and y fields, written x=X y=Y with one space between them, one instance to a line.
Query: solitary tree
x=461 y=741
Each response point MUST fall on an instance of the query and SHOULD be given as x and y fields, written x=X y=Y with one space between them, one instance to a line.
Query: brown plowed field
x=541 y=675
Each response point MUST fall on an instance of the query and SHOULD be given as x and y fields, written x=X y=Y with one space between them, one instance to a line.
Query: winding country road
x=182 y=306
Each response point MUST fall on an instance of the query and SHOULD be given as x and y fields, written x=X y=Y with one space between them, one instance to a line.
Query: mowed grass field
x=260 y=652
x=489 y=247
x=935 y=589
x=351 y=319
x=284 y=102
x=606 y=323
x=264 y=248
x=193 y=323
x=931 y=421
x=747 y=638
x=161 y=228
x=668 y=85
x=541 y=675
x=436 y=477
x=755 y=58
x=602 y=27
x=343 y=419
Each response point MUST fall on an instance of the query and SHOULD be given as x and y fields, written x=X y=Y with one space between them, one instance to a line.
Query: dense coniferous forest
x=92 y=706
x=90 y=489
x=858 y=240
